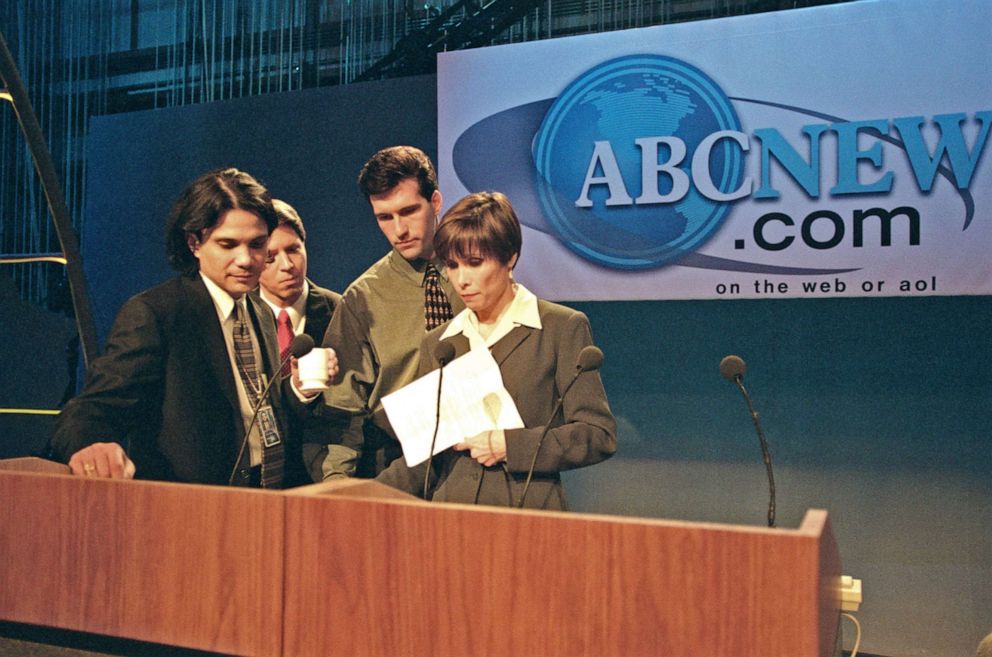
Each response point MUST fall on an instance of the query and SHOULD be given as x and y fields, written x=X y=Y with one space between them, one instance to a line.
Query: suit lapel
x=315 y=307
x=265 y=330
x=211 y=337
x=318 y=310
x=508 y=343
x=501 y=350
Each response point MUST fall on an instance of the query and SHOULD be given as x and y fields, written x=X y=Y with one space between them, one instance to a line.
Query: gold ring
x=89 y=469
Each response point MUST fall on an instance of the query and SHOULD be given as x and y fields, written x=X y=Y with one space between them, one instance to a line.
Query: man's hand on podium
x=106 y=460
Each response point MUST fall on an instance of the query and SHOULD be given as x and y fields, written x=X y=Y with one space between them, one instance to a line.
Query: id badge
x=267 y=423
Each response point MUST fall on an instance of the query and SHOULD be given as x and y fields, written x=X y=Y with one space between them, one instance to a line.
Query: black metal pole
x=56 y=200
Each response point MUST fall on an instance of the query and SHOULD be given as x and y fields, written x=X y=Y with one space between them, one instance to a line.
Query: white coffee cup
x=313 y=369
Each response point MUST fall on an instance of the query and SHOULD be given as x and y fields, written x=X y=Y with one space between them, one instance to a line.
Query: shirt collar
x=296 y=312
x=522 y=311
x=223 y=302
x=416 y=271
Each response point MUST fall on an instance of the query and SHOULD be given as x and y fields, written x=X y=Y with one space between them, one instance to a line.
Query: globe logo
x=620 y=101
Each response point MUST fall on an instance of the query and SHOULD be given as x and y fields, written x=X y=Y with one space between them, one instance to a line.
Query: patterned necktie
x=285 y=332
x=272 y=455
x=437 y=310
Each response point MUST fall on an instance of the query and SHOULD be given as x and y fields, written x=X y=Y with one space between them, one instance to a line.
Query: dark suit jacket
x=536 y=366
x=318 y=310
x=321 y=303
x=164 y=389
x=319 y=424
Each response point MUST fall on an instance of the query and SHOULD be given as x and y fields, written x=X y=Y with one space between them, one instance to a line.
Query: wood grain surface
x=33 y=464
x=353 y=568
x=366 y=577
x=193 y=566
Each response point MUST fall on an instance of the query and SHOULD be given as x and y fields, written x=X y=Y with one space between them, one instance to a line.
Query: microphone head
x=301 y=345
x=732 y=368
x=444 y=352
x=590 y=358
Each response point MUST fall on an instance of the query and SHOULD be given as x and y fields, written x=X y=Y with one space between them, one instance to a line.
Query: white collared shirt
x=224 y=305
x=521 y=311
x=297 y=312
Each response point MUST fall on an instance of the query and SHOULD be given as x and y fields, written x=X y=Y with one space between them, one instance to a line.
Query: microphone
x=444 y=352
x=732 y=368
x=590 y=360
x=300 y=346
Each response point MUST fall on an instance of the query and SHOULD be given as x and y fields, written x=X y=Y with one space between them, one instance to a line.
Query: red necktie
x=285 y=333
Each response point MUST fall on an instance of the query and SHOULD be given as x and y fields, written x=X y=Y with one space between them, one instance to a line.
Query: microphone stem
x=251 y=425
x=544 y=434
x=437 y=423
x=254 y=415
x=765 y=455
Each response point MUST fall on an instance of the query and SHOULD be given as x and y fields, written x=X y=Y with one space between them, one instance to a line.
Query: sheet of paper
x=473 y=400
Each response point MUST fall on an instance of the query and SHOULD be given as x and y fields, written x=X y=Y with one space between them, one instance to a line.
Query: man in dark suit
x=175 y=391
x=284 y=285
x=299 y=307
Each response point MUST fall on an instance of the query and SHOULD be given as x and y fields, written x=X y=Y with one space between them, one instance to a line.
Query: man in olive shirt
x=381 y=319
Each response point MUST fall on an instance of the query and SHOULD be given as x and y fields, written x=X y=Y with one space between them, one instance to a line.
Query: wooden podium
x=354 y=568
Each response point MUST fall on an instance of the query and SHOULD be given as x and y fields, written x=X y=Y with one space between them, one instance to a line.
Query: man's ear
x=436 y=202
x=193 y=243
x=513 y=260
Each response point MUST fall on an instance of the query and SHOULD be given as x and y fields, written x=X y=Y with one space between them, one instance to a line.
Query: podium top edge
x=814 y=523
x=35 y=465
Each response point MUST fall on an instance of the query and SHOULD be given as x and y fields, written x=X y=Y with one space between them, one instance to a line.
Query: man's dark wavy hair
x=204 y=202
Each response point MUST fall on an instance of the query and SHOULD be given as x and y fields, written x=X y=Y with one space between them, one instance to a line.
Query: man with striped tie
x=383 y=315
x=179 y=392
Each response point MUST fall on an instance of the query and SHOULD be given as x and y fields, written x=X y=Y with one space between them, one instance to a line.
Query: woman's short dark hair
x=391 y=166
x=483 y=224
x=201 y=206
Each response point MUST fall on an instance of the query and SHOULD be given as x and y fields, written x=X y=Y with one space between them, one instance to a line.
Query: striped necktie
x=272 y=455
x=437 y=310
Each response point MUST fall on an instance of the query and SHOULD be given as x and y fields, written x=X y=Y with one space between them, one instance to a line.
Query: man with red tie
x=299 y=307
